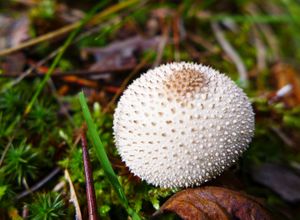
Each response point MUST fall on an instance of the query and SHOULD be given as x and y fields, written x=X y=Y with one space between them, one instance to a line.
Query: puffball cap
x=182 y=124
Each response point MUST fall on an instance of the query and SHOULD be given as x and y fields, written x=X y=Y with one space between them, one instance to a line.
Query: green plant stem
x=102 y=157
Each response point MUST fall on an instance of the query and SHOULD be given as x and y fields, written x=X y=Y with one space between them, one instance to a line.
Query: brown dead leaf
x=13 y=30
x=284 y=75
x=13 y=64
x=210 y=203
x=120 y=54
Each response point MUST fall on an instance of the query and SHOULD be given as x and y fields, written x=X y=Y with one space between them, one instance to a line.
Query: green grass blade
x=253 y=18
x=61 y=52
x=101 y=155
x=86 y=19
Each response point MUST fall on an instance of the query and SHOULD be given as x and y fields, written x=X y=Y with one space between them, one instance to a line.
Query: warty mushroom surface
x=182 y=124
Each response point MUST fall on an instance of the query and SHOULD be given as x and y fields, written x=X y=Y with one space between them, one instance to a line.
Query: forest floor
x=52 y=50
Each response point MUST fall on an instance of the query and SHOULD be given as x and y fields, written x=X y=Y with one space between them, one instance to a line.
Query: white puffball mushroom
x=182 y=124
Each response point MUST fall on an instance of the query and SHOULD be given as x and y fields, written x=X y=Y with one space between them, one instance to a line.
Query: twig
x=267 y=32
x=260 y=51
x=244 y=18
x=25 y=184
x=176 y=36
x=165 y=28
x=63 y=108
x=271 y=40
x=5 y=150
x=50 y=56
x=73 y=197
x=90 y=190
x=125 y=82
x=285 y=138
x=39 y=184
x=230 y=52
x=40 y=39
x=103 y=158
x=160 y=50
x=62 y=49
x=28 y=71
x=59 y=186
x=68 y=28
x=203 y=42
x=58 y=74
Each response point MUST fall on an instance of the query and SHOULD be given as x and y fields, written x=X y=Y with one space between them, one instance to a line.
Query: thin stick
x=267 y=32
x=125 y=82
x=89 y=182
x=162 y=44
x=103 y=158
x=271 y=40
x=261 y=52
x=5 y=150
x=73 y=197
x=28 y=71
x=68 y=28
x=234 y=56
x=284 y=137
x=80 y=73
x=39 y=184
x=40 y=39
x=196 y=38
x=62 y=49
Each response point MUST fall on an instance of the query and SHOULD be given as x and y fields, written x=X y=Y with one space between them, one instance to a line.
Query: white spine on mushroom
x=182 y=124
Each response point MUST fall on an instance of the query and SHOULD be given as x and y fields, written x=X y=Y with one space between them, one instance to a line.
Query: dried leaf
x=209 y=202
x=120 y=53
x=13 y=31
x=13 y=64
x=114 y=62
x=280 y=179
x=285 y=75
